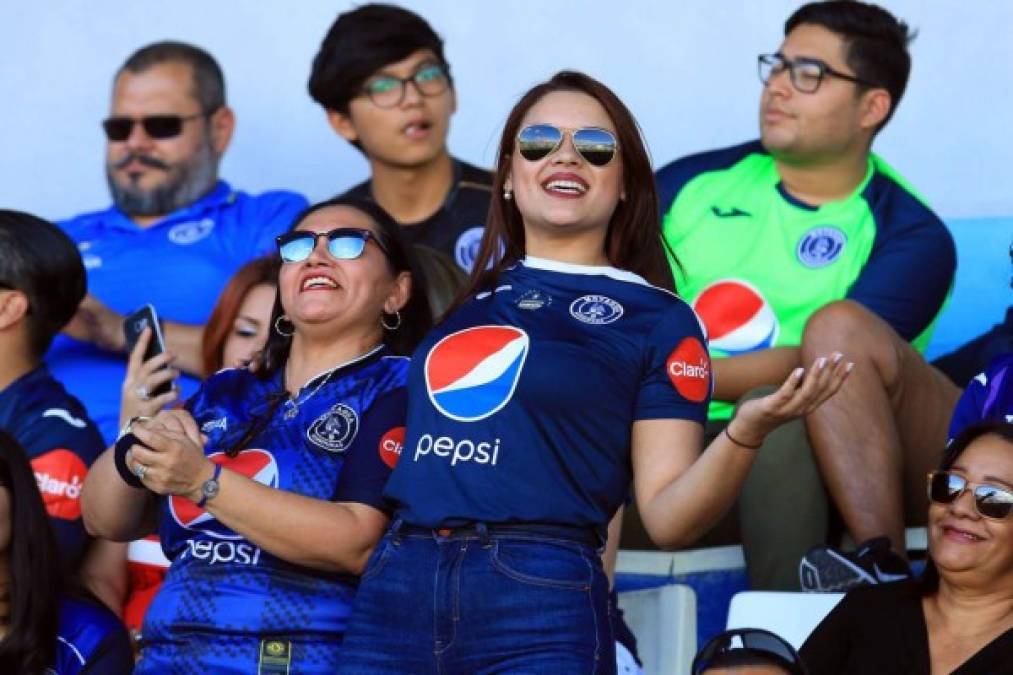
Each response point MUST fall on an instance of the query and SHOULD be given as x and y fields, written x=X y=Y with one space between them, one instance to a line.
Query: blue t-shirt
x=989 y=396
x=522 y=402
x=180 y=265
x=222 y=589
x=61 y=443
x=90 y=639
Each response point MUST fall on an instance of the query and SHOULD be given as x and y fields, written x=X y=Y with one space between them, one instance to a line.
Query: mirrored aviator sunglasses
x=343 y=243
x=537 y=141
x=990 y=501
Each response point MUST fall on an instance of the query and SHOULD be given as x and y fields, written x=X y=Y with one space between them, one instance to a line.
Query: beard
x=184 y=184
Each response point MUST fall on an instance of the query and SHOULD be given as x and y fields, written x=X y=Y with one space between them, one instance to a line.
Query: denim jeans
x=478 y=603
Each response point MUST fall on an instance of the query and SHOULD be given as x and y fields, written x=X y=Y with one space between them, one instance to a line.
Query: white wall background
x=686 y=69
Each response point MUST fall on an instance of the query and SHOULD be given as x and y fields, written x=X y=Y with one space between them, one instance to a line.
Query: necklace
x=294 y=402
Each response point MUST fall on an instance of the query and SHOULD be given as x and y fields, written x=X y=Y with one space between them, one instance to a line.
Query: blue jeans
x=476 y=602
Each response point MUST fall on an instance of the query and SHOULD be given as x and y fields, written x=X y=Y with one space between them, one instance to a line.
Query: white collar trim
x=571 y=268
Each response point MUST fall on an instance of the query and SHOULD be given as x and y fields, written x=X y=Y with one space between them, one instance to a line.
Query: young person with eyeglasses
x=175 y=232
x=385 y=84
x=266 y=489
x=958 y=618
x=806 y=239
x=562 y=375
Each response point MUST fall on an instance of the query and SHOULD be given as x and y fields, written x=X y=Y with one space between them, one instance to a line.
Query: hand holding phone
x=133 y=326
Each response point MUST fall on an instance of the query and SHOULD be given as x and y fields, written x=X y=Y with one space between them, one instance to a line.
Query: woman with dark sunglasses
x=266 y=489
x=565 y=371
x=958 y=618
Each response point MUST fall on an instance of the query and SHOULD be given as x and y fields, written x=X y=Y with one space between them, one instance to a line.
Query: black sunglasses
x=537 y=141
x=991 y=501
x=749 y=640
x=806 y=74
x=158 y=127
x=343 y=243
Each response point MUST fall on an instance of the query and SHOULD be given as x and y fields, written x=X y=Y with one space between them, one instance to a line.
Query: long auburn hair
x=216 y=331
x=36 y=573
x=633 y=241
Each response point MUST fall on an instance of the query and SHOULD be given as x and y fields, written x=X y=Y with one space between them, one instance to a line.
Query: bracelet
x=123 y=444
x=126 y=428
x=740 y=443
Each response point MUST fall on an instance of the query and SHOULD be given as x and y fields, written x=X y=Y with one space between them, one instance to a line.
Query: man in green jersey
x=805 y=242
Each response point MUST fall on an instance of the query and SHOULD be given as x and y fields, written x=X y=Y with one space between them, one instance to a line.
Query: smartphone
x=134 y=325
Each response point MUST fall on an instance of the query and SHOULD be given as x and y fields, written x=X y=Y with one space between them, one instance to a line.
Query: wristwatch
x=210 y=488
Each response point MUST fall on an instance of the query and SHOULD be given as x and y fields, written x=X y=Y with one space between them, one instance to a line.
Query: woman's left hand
x=172 y=455
x=800 y=394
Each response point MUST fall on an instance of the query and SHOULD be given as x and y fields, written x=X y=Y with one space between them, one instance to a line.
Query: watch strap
x=207 y=484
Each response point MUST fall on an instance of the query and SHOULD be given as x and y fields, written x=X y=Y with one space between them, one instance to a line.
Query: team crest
x=335 y=430
x=185 y=234
x=820 y=246
x=596 y=309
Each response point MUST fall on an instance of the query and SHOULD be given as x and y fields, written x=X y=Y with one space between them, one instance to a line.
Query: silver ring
x=140 y=470
x=142 y=392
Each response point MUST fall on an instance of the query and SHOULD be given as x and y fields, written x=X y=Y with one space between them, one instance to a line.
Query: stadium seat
x=664 y=621
x=791 y=615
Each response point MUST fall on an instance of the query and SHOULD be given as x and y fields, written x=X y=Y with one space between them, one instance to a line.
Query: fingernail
x=837 y=357
x=850 y=366
x=821 y=362
x=799 y=372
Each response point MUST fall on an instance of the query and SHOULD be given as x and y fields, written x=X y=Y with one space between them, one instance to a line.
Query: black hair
x=42 y=262
x=34 y=565
x=876 y=42
x=1004 y=430
x=363 y=41
x=416 y=319
x=208 y=80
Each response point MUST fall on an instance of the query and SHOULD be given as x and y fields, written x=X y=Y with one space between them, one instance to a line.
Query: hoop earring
x=508 y=194
x=278 y=329
x=383 y=321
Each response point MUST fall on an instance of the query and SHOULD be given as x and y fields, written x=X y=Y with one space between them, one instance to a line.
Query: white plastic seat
x=793 y=616
x=664 y=621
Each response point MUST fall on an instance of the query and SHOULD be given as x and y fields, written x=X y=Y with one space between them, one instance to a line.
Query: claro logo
x=60 y=474
x=689 y=369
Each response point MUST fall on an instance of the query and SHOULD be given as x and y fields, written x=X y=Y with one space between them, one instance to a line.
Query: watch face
x=210 y=488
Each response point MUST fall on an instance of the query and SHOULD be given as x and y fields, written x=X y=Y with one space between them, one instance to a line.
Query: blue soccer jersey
x=223 y=595
x=90 y=639
x=179 y=264
x=522 y=401
x=989 y=396
x=61 y=442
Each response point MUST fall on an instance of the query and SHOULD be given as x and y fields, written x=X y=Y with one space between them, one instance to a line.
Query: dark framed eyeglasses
x=537 y=141
x=806 y=74
x=756 y=641
x=343 y=243
x=159 y=127
x=990 y=501
x=387 y=91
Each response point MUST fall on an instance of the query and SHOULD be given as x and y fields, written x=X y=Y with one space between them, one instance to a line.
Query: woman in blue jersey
x=568 y=369
x=266 y=489
x=43 y=627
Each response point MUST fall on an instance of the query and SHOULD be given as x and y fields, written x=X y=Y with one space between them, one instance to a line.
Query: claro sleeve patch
x=689 y=369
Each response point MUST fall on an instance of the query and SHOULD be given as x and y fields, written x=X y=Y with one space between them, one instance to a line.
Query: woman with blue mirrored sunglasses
x=343 y=243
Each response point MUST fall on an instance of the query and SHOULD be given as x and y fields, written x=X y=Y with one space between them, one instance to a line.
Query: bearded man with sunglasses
x=175 y=233
x=803 y=242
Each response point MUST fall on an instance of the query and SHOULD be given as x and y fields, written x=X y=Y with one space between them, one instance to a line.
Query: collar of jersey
x=221 y=194
x=24 y=383
x=590 y=270
x=361 y=360
x=827 y=206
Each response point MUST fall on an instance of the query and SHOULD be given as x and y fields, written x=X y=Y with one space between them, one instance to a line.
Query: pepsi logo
x=689 y=369
x=737 y=317
x=472 y=373
x=258 y=465
x=820 y=246
x=391 y=445
x=60 y=474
